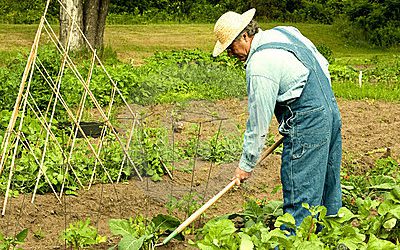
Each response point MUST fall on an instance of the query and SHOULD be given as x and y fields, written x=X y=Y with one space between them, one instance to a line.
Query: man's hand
x=241 y=176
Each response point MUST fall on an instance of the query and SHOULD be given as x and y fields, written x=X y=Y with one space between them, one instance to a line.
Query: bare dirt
x=369 y=128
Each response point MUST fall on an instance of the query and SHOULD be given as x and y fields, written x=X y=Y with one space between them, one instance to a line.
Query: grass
x=134 y=43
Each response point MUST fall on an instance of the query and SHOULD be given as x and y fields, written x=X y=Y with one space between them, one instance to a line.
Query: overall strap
x=291 y=37
x=296 y=47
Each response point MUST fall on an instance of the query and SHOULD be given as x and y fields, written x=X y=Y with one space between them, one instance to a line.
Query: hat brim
x=246 y=19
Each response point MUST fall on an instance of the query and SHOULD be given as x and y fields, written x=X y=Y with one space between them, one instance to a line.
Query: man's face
x=240 y=48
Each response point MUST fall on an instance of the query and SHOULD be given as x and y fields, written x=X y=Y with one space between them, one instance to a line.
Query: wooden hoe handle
x=215 y=198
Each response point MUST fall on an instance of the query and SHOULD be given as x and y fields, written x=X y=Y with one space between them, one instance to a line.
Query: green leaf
x=131 y=243
x=389 y=224
x=378 y=244
x=311 y=245
x=389 y=207
x=344 y=215
x=383 y=186
x=156 y=177
x=348 y=243
x=274 y=208
x=205 y=247
x=167 y=223
x=396 y=211
x=22 y=235
x=120 y=227
x=286 y=219
x=395 y=194
x=246 y=242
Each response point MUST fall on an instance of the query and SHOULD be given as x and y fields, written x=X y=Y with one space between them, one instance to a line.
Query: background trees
x=377 y=21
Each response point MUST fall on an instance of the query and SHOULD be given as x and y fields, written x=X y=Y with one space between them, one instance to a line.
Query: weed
x=39 y=234
x=141 y=232
x=188 y=204
x=80 y=234
x=7 y=243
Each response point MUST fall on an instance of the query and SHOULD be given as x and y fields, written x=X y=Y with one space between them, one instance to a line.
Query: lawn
x=133 y=43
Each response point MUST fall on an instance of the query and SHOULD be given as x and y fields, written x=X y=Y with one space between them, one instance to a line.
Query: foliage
x=26 y=12
x=150 y=11
x=7 y=243
x=369 y=221
x=326 y=52
x=188 y=204
x=219 y=148
x=166 y=77
x=342 y=230
x=379 y=19
x=371 y=183
x=140 y=232
x=218 y=234
x=80 y=234
x=55 y=163
x=379 y=79
x=152 y=153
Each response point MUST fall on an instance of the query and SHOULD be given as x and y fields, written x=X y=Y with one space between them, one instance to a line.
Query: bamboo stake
x=28 y=66
x=127 y=148
x=79 y=114
x=166 y=169
x=71 y=115
x=103 y=133
x=57 y=93
x=10 y=176
x=44 y=124
x=94 y=100
x=25 y=100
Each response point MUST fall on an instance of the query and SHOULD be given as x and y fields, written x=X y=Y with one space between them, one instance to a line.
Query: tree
x=89 y=16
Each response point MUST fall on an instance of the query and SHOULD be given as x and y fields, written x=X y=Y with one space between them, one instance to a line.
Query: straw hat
x=228 y=27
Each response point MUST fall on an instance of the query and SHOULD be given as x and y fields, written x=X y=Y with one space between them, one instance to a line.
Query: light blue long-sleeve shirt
x=272 y=75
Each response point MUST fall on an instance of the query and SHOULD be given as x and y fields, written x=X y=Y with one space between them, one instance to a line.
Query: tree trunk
x=72 y=13
x=95 y=13
x=91 y=18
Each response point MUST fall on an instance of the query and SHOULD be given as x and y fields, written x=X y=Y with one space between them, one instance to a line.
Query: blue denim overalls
x=311 y=126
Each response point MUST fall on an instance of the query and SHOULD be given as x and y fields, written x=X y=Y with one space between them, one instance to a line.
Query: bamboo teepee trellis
x=14 y=138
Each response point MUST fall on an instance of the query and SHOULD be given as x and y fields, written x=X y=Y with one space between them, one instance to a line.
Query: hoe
x=215 y=198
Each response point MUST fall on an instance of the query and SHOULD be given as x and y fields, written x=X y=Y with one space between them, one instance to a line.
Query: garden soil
x=370 y=130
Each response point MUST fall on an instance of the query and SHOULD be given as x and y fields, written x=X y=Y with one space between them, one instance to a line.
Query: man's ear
x=245 y=36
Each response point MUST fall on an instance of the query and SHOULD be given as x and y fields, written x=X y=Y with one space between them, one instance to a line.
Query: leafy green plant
x=361 y=182
x=218 y=234
x=326 y=52
x=375 y=226
x=152 y=153
x=140 y=232
x=7 y=243
x=187 y=204
x=219 y=148
x=222 y=149
x=80 y=234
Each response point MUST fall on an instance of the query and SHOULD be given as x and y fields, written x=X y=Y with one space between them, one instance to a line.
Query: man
x=286 y=74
